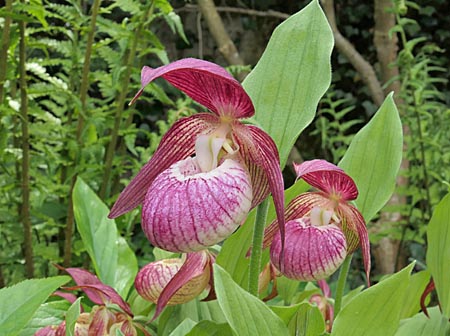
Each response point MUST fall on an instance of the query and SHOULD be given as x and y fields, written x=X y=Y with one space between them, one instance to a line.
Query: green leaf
x=183 y=328
x=438 y=254
x=373 y=159
x=114 y=262
x=18 y=303
x=50 y=313
x=417 y=284
x=420 y=325
x=127 y=267
x=209 y=328
x=375 y=311
x=72 y=316
x=246 y=314
x=285 y=313
x=99 y=233
x=307 y=322
x=291 y=76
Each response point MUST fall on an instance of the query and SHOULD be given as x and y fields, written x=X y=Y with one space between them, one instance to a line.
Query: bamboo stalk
x=25 y=207
x=120 y=102
x=80 y=125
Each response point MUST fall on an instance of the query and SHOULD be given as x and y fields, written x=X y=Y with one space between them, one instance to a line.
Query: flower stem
x=341 y=284
x=255 y=258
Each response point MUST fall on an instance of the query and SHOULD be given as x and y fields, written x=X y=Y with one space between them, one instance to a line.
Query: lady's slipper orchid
x=314 y=247
x=192 y=203
x=174 y=281
x=335 y=190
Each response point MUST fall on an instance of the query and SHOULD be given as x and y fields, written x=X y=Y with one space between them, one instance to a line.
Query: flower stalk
x=257 y=242
x=343 y=273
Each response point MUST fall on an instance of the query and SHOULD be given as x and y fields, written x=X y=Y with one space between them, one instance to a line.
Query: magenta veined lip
x=186 y=210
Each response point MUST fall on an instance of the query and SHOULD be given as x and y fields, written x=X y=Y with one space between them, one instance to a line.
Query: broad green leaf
x=246 y=314
x=18 y=303
x=183 y=328
x=287 y=288
x=209 y=328
x=417 y=284
x=72 y=316
x=420 y=325
x=285 y=313
x=193 y=310
x=127 y=267
x=99 y=233
x=113 y=260
x=375 y=311
x=307 y=322
x=373 y=158
x=438 y=254
x=50 y=313
x=291 y=76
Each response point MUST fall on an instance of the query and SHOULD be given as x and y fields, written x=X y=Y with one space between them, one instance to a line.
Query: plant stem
x=341 y=284
x=120 y=102
x=4 y=49
x=83 y=97
x=25 y=208
x=255 y=258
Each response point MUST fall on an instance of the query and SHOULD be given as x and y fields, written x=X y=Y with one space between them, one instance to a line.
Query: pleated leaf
x=18 y=303
x=438 y=254
x=246 y=314
x=375 y=311
x=373 y=159
x=291 y=76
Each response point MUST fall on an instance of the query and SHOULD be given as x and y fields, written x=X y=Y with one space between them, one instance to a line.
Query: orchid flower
x=322 y=300
x=334 y=226
x=190 y=203
x=102 y=320
x=174 y=281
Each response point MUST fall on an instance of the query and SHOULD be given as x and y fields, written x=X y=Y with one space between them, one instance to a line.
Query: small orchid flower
x=314 y=247
x=174 y=281
x=327 y=216
x=111 y=315
x=190 y=203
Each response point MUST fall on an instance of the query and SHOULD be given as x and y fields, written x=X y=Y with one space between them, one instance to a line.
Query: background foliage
x=80 y=125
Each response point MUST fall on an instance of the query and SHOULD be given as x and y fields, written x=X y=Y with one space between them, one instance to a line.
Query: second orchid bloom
x=322 y=227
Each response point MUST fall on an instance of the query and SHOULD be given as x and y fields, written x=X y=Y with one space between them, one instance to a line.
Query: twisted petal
x=355 y=230
x=328 y=178
x=205 y=82
x=98 y=292
x=258 y=147
x=186 y=210
x=177 y=144
x=310 y=252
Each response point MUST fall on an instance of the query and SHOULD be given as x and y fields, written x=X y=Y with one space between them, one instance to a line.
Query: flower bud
x=154 y=277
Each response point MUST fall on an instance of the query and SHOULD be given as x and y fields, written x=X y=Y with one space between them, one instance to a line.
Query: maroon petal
x=205 y=82
x=177 y=144
x=97 y=292
x=259 y=147
x=430 y=287
x=328 y=178
x=68 y=296
x=355 y=230
x=196 y=264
